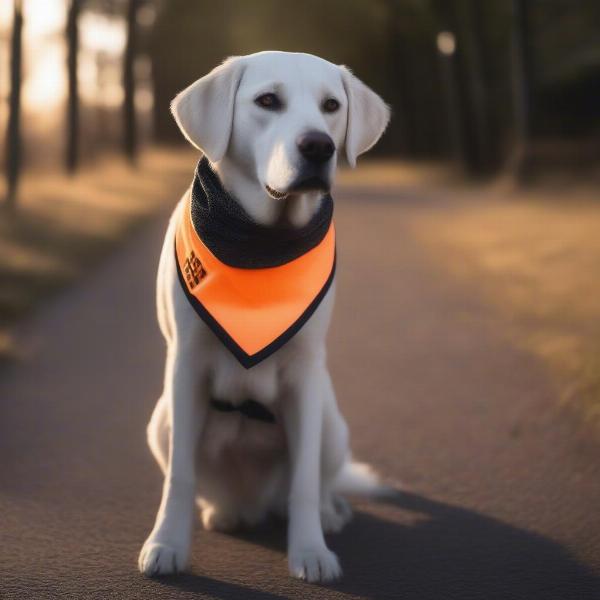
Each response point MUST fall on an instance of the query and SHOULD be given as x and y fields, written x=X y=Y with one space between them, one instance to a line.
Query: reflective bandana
x=254 y=285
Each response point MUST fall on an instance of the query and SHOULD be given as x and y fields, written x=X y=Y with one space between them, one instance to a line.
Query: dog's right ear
x=204 y=110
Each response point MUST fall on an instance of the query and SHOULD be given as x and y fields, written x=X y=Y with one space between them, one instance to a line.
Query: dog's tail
x=359 y=479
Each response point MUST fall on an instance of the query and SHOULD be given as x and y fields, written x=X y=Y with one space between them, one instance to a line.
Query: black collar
x=239 y=241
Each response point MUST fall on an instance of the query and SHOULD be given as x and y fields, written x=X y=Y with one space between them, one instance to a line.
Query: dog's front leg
x=167 y=548
x=308 y=556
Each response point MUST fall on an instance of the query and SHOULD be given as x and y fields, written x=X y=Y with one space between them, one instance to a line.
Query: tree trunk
x=523 y=87
x=72 y=32
x=13 y=137
x=129 y=116
x=449 y=80
x=399 y=72
x=455 y=82
x=473 y=23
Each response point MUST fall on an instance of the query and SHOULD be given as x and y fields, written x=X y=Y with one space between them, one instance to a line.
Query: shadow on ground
x=447 y=552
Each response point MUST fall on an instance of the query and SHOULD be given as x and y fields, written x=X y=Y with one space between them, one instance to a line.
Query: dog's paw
x=335 y=514
x=314 y=564
x=161 y=559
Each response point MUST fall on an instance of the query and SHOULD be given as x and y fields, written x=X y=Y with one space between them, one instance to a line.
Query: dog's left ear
x=204 y=110
x=368 y=116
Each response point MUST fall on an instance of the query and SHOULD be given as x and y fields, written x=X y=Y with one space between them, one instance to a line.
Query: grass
x=534 y=255
x=65 y=224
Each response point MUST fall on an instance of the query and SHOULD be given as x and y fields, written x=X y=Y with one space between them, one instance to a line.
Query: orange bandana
x=253 y=311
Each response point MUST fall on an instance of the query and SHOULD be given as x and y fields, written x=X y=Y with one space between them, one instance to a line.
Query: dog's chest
x=230 y=382
x=244 y=413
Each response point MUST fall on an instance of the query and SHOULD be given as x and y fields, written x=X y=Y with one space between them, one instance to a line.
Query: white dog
x=271 y=126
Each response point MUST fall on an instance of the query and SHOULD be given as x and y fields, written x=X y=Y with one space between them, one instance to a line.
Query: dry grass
x=65 y=224
x=532 y=254
x=535 y=256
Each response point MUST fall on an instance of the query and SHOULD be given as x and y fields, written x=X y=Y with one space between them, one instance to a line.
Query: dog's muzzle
x=316 y=149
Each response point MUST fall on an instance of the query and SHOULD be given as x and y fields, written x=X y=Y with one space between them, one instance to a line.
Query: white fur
x=237 y=470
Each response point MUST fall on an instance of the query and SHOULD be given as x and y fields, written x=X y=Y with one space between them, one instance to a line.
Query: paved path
x=502 y=492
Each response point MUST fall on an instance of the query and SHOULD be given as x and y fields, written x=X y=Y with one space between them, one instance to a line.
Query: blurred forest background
x=490 y=85
x=488 y=88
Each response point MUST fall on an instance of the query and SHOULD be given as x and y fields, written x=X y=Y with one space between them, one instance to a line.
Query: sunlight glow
x=102 y=43
x=44 y=17
x=44 y=84
x=102 y=34
x=102 y=40
x=446 y=43
x=6 y=11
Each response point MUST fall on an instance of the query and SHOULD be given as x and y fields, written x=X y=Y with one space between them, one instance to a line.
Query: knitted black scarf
x=239 y=241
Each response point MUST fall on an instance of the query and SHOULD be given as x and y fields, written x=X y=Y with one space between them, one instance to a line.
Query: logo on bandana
x=193 y=270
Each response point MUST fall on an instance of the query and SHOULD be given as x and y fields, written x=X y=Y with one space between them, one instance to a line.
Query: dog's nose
x=316 y=146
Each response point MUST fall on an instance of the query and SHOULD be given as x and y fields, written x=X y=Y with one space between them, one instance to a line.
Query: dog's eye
x=268 y=101
x=330 y=105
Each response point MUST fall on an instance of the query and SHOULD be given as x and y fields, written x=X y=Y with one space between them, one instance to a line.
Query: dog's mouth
x=275 y=193
x=311 y=183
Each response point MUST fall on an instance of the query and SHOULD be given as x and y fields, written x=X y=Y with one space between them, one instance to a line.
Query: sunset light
x=196 y=402
x=102 y=39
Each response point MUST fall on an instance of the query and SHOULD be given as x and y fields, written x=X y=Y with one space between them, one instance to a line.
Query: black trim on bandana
x=249 y=360
x=239 y=241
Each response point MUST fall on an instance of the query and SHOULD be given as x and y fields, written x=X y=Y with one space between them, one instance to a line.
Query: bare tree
x=523 y=86
x=401 y=95
x=472 y=30
x=129 y=116
x=13 y=138
x=72 y=34
x=446 y=42
x=454 y=82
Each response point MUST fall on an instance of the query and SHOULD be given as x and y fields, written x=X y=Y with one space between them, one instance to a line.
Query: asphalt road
x=501 y=488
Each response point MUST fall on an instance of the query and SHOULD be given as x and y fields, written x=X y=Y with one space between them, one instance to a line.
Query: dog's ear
x=204 y=110
x=368 y=116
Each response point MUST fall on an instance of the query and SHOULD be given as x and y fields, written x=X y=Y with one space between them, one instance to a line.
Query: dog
x=271 y=127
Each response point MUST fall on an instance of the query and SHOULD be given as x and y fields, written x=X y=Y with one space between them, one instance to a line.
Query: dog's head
x=284 y=117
